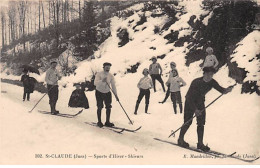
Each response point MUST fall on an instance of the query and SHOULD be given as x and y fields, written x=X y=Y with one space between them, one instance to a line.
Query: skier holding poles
x=102 y=81
x=51 y=78
x=194 y=103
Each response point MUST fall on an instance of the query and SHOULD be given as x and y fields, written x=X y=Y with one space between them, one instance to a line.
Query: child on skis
x=175 y=83
x=145 y=84
x=210 y=60
x=173 y=68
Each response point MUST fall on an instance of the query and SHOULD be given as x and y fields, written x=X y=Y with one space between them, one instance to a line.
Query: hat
x=153 y=58
x=107 y=64
x=173 y=63
x=209 y=69
x=145 y=69
x=209 y=49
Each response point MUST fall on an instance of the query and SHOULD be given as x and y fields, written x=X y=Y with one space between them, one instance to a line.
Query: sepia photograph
x=130 y=82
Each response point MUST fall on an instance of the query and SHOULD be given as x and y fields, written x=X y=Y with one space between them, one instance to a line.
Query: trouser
x=103 y=98
x=53 y=93
x=26 y=94
x=159 y=78
x=167 y=94
x=201 y=119
x=176 y=98
x=142 y=93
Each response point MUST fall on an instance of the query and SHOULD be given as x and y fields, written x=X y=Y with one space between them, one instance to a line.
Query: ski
x=107 y=128
x=117 y=129
x=128 y=130
x=61 y=114
x=211 y=152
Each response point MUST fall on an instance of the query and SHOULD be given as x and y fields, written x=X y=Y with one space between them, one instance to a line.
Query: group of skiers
x=105 y=83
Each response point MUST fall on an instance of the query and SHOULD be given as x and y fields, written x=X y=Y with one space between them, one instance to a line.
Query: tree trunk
x=43 y=18
x=79 y=13
x=3 y=29
x=39 y=15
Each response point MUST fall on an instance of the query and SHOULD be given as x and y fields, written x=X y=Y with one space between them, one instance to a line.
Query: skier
x=145 y=84
x=78 y=98
x=173 y=67
x=175 y=83
x=155 y=71
x=103 y=94
x=194 y=103
x=210 y=60
x=51 y=78
x=26 y=85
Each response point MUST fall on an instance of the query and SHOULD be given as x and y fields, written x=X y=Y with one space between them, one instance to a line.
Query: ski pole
x=173 y=133
x=40 y=99
x=120 y=103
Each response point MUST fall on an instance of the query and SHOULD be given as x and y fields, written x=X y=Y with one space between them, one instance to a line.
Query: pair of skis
x=115 y=129
x=212 y=153
x=61 y=114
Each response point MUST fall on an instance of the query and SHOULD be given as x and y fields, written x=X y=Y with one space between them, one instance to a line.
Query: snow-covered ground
x=232 y=123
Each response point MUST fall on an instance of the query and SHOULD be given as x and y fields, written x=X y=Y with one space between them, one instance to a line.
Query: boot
x=174 y=108
x=53 y=112
x=146 y=108
x=183 y=144
x=203 y=147
x=136 y=108
x=108 y=123
x=55 y=108
x=100 y=124
x=200 y=145
x=28 y=96
x=180 y=105
x=181 y=141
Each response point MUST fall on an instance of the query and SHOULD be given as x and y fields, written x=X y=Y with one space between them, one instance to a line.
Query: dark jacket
x=198 y=89
x=78 y=99
x=28 y=83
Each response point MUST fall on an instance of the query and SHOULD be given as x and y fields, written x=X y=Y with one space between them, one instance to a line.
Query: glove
x=229 y=89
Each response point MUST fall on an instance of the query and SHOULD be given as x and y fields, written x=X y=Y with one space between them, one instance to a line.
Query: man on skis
x=194 y=103
x=102 y=81
x=51 y=78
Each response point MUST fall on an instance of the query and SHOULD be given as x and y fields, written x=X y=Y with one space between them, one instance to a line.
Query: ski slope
x=231 y=126
x=232 y=123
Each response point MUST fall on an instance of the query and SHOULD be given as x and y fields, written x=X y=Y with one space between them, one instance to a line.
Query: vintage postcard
x=166 y=82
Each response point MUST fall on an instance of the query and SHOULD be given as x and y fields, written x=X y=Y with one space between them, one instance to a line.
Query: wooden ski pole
x=173 y=133
x=119 y=103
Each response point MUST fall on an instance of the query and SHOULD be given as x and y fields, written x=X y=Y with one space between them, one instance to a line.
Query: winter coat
x=28 y=83
x=175 y=83
x=145 y=83
x=78 y=99
x=154 y=68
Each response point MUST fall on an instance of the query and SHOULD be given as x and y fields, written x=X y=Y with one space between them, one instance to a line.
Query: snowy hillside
x=232 y=123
